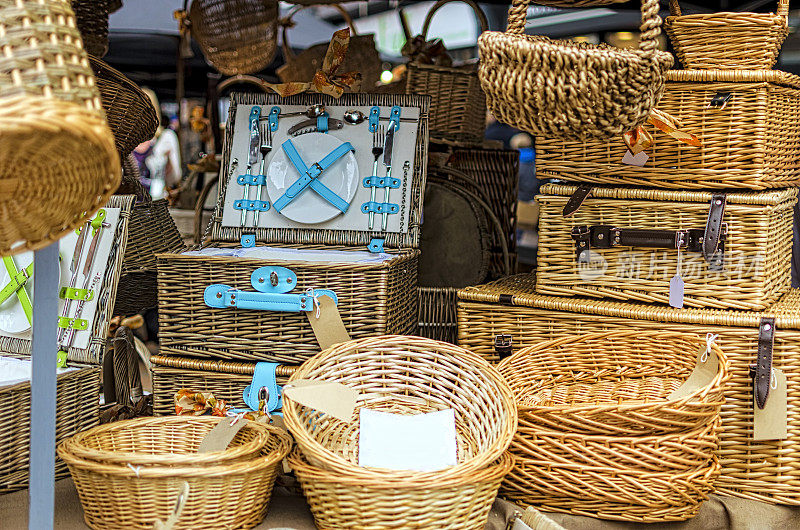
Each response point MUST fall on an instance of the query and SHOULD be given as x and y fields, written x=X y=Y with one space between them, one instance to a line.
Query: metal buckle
x=318 y=168
x=681 y=239
x=720 y=100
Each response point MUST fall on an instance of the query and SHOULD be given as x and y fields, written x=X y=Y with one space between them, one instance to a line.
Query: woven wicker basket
x=53 y=127
x=77 y=408
x=130 y=112
x=121 y=496
x=236 y=36
x=458 y=105
x=437 y=313
x=551 y=88
x=173 y=440
x=352 y=501
x=745 y=41
x=226 y=380
x=765 y=470
x=755 y=251
x=91 y=17
x=405 y=375
x=752 y=142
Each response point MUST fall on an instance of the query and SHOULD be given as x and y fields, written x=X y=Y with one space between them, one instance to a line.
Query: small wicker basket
x=405 y=375
x=352 y=501
x=726 y=40
x=91 y=17
x=565 y=89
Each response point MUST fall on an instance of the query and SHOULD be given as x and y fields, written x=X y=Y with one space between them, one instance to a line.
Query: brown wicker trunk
x=768 y=470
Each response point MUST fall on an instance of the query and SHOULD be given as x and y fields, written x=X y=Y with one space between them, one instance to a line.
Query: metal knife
x=387 y=161
x=252 y=155
x=333 y=124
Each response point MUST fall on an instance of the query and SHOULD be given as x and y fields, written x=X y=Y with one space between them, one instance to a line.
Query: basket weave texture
x=122 y=496
x=53 y=127
x=728 y=40
x=405 y=375
x=91 y=17
x=565 y=89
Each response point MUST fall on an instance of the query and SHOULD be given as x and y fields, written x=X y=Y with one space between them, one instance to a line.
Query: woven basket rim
x=744 y=16
x=401 y=255
x=777 y=77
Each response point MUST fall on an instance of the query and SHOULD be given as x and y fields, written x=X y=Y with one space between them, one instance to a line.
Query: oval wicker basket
x=167 y=441
x=405 y=375
x=353 y=501
x=91 y=17
x=236 y=36
x=122 y=496
x=565 y=89
x=728 y=40
x=614 y=383
x=55 y=143
x=131 y=115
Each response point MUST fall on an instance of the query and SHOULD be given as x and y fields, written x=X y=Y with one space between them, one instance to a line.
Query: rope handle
x=783 y=9
x=475 y=7
x=650 y=27
x=287 y=22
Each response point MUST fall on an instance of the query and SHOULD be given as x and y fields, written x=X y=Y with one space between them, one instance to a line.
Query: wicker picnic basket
x=362 y=56
x=747 y=120
x=458 y=105
x=437 y=313
x=752 y=41
x=565 y=89
x=123 y=496
x=750 y=267
x=352 y=501
x=763 y=470
x=405 y=375
x=91 y=17
x=77 y=409
x=615 y=383
x=130 y=112
x=225 y=379
x=236 y=36
x=53 y=127
x=172 y=440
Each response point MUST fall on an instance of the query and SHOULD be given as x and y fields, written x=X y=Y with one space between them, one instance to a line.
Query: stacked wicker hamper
x=694 y=241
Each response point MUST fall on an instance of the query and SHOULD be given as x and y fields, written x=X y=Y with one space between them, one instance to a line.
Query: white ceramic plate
x=12 y=316
x=342 y=178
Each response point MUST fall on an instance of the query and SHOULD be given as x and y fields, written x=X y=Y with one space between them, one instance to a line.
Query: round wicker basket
x=91 y=17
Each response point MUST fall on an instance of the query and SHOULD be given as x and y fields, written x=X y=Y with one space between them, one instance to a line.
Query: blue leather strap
x=322 y=123
x=222 y=296
x=380 y=207
x=374 y=118
x=394 y=117
x=251 y=206
x=248 y=240
x=375 y=245
x=309 y=176
x=252 y=180
x=381 y=182
x=264 y=376
x=274 y=112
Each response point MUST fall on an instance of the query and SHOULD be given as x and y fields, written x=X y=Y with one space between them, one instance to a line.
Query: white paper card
x=639 y=159
x=422 y=442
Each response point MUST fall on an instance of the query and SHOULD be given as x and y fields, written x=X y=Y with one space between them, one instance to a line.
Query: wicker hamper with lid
x=747 y=120
x=765 y=470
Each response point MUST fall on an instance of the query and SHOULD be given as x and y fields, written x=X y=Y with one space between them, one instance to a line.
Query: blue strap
x=374 y=117
x=380 y=207
x=251 y=206
x=248 y=240
x=322 y=123
x=274 y=112
x=221 y=296
x=251 y=180
x=309 y=176
x=394 y=117
x=381 y=182
x=264 y=376
x=375 y=245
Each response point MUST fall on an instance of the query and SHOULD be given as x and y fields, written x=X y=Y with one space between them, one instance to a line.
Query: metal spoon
x=354 y=117
x=314 y=111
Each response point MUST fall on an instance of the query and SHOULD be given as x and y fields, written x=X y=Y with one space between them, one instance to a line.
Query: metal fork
x=265 y=148
x=378 y=138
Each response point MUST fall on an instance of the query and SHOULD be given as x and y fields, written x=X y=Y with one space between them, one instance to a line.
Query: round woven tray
x=231 y=495
x=405 y=375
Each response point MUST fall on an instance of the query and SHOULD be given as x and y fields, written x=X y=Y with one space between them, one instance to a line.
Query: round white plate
x=12 y=317
x=309 y=207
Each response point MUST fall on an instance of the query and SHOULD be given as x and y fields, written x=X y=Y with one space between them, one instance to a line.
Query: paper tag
x=676 y=291
x=421 y=442
x=519 y=525
x=638 y=159
x=328 y=328
x=770 y=422
x=701 y=375
x=220 y=437
x=323 y=396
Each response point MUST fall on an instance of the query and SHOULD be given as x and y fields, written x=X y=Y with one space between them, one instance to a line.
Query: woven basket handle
x=783 y=9
x=287 y=51
x=478 y=13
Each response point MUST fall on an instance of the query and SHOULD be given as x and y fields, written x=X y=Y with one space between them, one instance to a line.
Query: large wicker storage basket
x=750 y=137
x=764 y=470
x=226 y=380
x=752 y=41
x=405 y=375
x=225 y=495
x=77 y=409
x=750 y=270
x=354 y=502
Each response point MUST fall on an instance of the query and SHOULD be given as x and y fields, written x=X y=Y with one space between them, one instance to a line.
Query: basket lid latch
x=575 y=201
x=761 y=371
x=263 y=393
x=582 y=236
x=713 y=235
x=502 y=346
x=720 y=100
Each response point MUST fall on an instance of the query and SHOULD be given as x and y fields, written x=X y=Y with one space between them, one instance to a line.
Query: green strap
x=72 y=293
x=61 y=359
x=73 y=323
x=15 y=286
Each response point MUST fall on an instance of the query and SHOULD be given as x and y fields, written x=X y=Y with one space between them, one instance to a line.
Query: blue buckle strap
x=252 y=180
x=309 y=176
x=381 y=182
x=380 y=207
x=264 y=376
x=251 y=206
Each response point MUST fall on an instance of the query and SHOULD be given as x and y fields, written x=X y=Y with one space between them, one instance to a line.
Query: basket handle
x=475 y=7
x=286 y=22
x=783 y=9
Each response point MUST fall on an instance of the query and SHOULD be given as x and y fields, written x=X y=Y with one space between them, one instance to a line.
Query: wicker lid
x=734 y=76
x=519 y=291
x=765 y=198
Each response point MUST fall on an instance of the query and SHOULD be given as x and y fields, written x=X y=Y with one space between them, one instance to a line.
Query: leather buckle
x=581 y=235
x=761 y=371
x=720 y=99
x=575 y=201
x=502 y=346
x=714 y=231
x=315 y=170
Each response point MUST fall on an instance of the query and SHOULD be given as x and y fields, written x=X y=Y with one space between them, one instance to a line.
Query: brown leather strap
x=713 y=232
x=502 y=346
x=576 y=199
x=761 y=372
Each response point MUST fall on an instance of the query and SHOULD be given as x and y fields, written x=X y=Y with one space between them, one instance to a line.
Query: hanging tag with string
x=705 y=370
x=770 y=423
x=326 y=322
x=676 y=283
